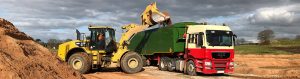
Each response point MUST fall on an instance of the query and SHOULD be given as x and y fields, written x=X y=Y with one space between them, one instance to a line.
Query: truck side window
x=196 y=38
x=200 y=40
x=191 y=38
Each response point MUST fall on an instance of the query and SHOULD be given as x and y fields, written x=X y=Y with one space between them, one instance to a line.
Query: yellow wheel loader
x=100 y=49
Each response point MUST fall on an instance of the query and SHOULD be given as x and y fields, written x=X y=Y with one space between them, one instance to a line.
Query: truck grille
x=220 y=63
x=220 y=55
x=220 y=69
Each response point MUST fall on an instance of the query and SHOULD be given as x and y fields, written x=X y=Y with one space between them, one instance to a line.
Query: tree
x=297 y=37
x=240 y=41
x=53 y=43
x=265 y=36
x=67 y=40
x=38 y=40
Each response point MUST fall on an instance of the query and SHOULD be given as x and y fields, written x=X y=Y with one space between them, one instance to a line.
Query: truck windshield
x=219 y=38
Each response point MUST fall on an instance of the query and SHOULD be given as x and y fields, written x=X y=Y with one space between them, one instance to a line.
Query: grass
x=286 y=43
x=270 y=49
x=258 y=49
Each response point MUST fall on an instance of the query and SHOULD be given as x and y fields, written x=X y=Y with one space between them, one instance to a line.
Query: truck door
x=194 y=46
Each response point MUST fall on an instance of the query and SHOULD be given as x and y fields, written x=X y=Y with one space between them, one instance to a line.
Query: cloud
x=273 y=16
x=46 y=19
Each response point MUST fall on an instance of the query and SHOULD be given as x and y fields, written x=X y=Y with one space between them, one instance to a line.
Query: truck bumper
x=215 y=67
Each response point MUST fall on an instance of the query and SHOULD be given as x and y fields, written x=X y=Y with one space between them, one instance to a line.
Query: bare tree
x=240 y=41
x=53 y=43
x=297 y=37
x=67 y=40
x=265 y=36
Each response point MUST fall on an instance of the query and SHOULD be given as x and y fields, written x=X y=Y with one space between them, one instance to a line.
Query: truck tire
x=171 y=65
x=162 y=65
x=190 y=68
x=131 y=62
x=80 y=61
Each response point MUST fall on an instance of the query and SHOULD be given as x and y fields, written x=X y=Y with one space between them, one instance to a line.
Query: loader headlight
x=78 y=44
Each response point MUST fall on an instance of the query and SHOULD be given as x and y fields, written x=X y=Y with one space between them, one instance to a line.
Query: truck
x=187 y=47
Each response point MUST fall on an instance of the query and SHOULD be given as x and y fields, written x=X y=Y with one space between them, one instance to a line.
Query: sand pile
x=22 y=58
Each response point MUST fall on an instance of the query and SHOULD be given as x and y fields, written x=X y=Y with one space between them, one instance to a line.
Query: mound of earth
x=22 y=58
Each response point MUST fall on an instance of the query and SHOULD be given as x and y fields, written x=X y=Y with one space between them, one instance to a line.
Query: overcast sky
x=45 y=19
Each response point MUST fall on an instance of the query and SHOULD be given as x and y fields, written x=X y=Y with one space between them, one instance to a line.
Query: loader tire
x=131 y=62
x=162 y=64
x=80 y=62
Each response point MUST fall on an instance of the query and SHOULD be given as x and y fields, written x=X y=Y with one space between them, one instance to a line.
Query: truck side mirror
x=234 y=38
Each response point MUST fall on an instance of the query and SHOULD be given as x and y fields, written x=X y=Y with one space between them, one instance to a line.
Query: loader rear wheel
x=80 y=62
x=162 y=65
x=131 y=62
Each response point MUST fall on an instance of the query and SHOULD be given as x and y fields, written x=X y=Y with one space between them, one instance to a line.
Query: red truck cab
x=210 y=48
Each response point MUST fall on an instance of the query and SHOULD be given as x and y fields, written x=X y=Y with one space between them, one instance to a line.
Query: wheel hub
x=162 y=64
x=191 y=68
x=77 y=64
x=133 y=63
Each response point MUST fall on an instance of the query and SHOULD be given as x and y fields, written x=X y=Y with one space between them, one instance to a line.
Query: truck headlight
x=207 y=64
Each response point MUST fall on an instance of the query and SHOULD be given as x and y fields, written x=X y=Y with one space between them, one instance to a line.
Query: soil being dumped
x=22 y=58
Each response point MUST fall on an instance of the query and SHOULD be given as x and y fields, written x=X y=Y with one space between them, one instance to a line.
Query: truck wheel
x=171 y=65
x=80 y=62
x=131 y=62
x=162 y=65
x=190 y=68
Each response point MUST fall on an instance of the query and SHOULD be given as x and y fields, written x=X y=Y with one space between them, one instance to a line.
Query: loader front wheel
x=131 y=62
x=80 y=62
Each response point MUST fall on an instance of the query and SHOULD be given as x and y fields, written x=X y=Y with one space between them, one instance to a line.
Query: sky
x=58 y=19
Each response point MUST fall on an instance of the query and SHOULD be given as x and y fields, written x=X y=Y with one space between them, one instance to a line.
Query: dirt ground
x=279 y=66
x=246 y=66
x=150 y=72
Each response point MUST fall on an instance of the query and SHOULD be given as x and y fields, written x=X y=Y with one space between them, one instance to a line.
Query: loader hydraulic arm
x=150 y=17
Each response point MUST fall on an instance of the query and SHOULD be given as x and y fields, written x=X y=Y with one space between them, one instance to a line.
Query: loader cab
x=102 y=38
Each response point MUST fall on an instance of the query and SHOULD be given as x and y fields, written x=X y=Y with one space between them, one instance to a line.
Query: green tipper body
x=160 y=40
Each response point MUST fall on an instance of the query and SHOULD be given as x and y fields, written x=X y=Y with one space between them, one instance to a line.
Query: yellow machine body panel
x=65 y=48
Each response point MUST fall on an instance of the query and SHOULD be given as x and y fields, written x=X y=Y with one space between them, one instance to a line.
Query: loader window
x=101 y=38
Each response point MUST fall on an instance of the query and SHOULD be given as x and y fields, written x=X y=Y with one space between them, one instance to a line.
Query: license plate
x=220 y=71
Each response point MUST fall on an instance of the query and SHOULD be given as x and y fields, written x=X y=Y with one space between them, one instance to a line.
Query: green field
x=277 y=47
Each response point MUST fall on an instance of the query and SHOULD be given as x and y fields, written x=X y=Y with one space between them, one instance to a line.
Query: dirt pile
x=22 y=58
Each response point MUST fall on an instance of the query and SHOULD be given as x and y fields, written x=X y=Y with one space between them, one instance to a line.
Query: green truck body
x=160 y=40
